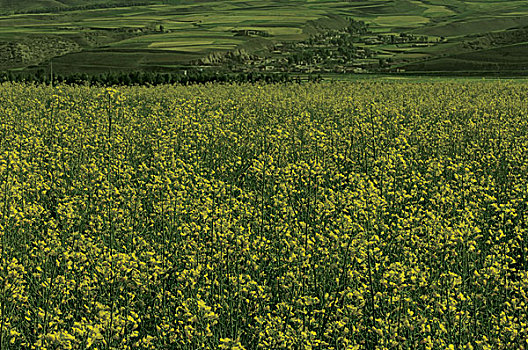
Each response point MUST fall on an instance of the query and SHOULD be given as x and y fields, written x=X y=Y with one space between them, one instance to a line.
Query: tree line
x=149 y=78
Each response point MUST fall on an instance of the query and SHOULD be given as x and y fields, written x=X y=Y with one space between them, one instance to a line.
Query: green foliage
x=147 y=78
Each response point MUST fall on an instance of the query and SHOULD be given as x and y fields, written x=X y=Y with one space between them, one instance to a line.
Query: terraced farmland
x=153 y=35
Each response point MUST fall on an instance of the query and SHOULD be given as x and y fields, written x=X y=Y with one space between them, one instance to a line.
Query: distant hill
x=26 y=5
x=43 y=5
x=298 y=36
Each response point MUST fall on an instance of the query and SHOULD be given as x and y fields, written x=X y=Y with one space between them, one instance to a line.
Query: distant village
x=353 y=49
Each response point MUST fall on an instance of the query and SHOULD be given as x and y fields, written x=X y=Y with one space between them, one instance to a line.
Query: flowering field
x=372 y=215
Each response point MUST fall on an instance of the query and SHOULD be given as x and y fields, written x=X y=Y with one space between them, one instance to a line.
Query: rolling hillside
x=304 y=36
x=20 y=6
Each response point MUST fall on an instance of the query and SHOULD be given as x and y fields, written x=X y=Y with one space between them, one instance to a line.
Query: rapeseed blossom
x=374 y=215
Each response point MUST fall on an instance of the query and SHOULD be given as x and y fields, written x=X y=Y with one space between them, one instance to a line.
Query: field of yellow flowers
x=363 y=215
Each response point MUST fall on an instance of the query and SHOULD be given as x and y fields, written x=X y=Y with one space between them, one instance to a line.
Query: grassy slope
x=129 y=37
x=30 y=5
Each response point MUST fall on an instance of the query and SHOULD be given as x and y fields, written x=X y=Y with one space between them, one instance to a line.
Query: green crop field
x=150 y=34
x=354 y=215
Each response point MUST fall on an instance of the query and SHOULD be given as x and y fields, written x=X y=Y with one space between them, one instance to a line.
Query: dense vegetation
x=369 y=215
x=191 y=76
